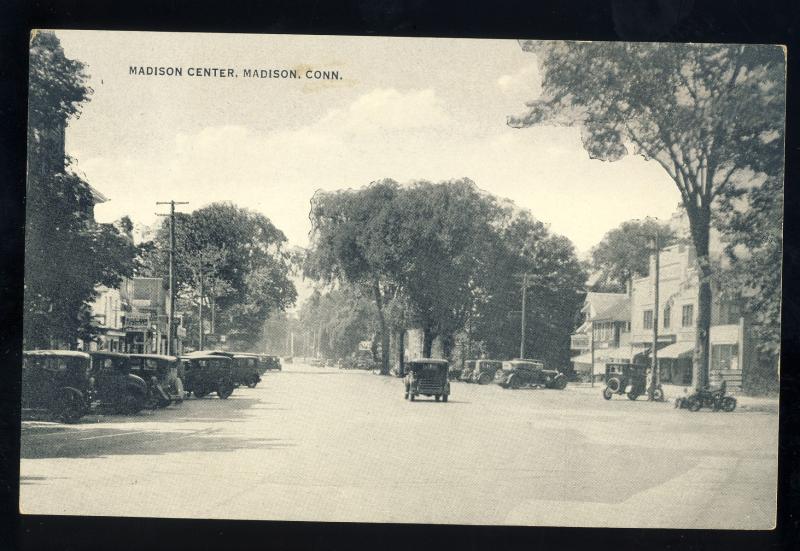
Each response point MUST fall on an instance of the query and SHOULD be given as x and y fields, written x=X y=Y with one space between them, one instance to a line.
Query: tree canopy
x=238 y=257
x=624 y=252
x=67 y=254
x=707 y=113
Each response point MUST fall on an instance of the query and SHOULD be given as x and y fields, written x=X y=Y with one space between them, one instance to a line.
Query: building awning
x=680 y=349
x=582 y=359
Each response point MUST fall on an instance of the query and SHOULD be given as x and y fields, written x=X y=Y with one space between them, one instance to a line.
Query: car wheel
x=607 y=393
x=658 y=395
x=633 y=395
x=200 y=392
x=694 y=404
x=514 y=382
x=70 y=407
x=437 y=397
x=561 y=383
x=728 y=403
x=484 y=379
x=613 y=384
x=412 y=397
x=224 y=390
x=444 y=397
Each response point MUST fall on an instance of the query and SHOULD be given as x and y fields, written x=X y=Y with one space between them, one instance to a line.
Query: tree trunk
x=700 y=223
x=376 y=289
x=427 y=341
x=401 y=351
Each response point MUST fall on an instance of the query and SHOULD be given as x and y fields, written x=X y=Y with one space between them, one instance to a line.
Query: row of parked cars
x=512 y=374
x=68 y=384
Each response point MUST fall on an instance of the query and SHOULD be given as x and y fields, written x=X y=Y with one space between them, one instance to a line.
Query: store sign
x=579 y=342
x=137 y=322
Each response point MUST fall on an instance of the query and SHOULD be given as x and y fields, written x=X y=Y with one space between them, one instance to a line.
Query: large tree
x=352 y=242
x=233 y=260
x=67 y=255
x=624 y=253
x=704 y=112
x=556 y=279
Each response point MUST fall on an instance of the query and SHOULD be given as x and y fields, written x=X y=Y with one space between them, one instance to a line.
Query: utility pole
x=655 y=375
x=171 y=313
x=200 y=307
x=591 y=347
x=522 y=332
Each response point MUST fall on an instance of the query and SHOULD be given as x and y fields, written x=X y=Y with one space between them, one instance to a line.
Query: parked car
x=714 y=398
x=427 y=377
x=521 y=373
x=315 y=362
x=272 y=362
x=629 y=379
x=160 y=372
x=113 y=386
x=56 y=382
x=484 y=371
x=466 y=371
x=246 y=370
x=208 y=373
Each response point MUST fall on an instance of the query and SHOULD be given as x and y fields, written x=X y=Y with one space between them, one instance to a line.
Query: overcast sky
x=404 y=108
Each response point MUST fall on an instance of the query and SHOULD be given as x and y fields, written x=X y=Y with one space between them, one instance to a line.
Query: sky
x=403 y=108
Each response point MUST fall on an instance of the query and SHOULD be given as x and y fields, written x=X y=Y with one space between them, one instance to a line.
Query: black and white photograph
x=369 y=279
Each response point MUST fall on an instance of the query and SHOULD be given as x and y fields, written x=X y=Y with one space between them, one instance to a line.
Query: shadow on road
x=104 y=441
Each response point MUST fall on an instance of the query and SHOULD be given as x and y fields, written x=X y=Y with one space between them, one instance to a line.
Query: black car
x=206 y=373
x=57 y=382
x=113 y=386
x=428 y=377
x=246 y=370
x=529 y=373
x=161 y=373
x=629 y=379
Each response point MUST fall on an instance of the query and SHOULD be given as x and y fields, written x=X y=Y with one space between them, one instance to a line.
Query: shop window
x=724 y=356
x=687 y=315
x=648 y=319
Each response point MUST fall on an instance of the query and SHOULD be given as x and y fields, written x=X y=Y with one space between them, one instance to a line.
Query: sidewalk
x=766 y=404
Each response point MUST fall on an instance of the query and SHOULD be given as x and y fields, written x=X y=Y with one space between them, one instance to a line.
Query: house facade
x=730 y=350
x=603 y=336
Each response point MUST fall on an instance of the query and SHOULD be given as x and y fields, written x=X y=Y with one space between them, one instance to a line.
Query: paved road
x=321 y=444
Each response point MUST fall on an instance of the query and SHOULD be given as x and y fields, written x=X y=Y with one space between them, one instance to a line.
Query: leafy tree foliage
x=443 y=257
x=556 y=279
x=624 y=252
x=238 y=258
x=67 y=255
x=705 y=113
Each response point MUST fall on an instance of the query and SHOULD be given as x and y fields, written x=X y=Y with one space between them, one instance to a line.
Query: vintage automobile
x=246 y=370
x=113 y=386
x=629 y=379
x=427 y=377
x=532 y=373
x=271 y=362
x=208 y=373
x=484 y=371
x=161 y=373
x=466 y=371
x=315 y=362
x=56 y=382
x=714 y=398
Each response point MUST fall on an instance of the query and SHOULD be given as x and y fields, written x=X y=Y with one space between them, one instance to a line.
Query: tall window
x=724 y=356
x=667 y=312
x=648 y=319
x=687 y=315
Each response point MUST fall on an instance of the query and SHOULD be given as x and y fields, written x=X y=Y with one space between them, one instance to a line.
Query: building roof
x=609 y=306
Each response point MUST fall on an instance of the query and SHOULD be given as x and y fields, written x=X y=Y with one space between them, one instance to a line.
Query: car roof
x=154 y=356
x=61 y=353
x=198 y=353
x=437 y=361
x=106 y=353
x=204 y=357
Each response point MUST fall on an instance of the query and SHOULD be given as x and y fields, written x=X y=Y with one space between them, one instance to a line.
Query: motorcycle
x=713 y=398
